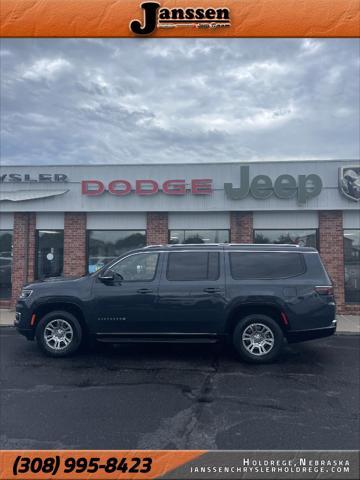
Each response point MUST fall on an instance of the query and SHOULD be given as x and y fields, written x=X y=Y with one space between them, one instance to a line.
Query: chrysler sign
x=261 y=187
x=28 y=178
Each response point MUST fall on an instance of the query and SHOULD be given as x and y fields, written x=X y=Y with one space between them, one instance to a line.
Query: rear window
x=188 y=266
x=265 y=265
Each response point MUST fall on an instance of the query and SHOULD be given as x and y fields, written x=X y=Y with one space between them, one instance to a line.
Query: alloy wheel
x=58 y=334
x=258 y=339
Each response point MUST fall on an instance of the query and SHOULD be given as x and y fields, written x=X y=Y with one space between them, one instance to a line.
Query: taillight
x=324 y=290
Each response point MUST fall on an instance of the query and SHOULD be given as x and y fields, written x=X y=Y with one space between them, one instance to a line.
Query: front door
x=127 y=304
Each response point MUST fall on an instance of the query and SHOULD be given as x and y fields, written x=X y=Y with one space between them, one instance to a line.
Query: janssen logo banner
x=155 y=16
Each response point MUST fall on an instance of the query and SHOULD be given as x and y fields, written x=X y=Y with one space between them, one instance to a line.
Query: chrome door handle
x=144 y=290
x=212 y=290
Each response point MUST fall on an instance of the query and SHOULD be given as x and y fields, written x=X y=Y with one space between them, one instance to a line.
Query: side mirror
x=106 y=277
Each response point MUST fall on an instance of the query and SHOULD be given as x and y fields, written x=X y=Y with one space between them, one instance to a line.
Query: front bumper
x=303 y=335
x=22 y=321
x=29 y=333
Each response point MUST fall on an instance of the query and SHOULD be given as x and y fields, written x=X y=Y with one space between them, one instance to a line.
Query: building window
x=5 y=263
x=199 y=236
x=105 y=245
x=352 y=265
x=305 y=238
x=50 y=253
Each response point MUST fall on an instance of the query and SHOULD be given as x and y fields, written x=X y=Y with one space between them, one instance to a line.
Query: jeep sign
x=285 y=186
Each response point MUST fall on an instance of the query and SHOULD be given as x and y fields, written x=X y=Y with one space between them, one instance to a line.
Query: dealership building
x=72 y=219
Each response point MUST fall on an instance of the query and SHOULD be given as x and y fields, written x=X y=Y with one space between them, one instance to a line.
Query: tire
x=67 y=330
x=258 y=338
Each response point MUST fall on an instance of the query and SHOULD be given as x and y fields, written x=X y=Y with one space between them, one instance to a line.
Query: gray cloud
x=183 y=100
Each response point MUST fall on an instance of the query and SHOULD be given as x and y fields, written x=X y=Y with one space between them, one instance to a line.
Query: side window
x=139 y=267
x=191 y=266
x=265 y=265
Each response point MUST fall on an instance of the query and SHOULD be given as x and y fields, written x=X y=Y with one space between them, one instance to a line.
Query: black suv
x=254 y=295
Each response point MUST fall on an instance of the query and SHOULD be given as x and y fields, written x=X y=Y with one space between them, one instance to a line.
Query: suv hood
x=47 y=281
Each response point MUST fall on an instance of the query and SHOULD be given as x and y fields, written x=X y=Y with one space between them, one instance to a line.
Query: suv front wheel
x=258 y=338
x=59 y=334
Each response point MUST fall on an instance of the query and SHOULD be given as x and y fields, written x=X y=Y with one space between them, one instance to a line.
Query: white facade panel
x=351 y=219
x=116 y=221
x=199 y=220
x=58 y=188
x=6 y=221
x=49 y=221
x=285 y=220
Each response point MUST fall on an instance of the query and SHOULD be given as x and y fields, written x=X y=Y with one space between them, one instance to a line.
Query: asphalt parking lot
x=180 y=397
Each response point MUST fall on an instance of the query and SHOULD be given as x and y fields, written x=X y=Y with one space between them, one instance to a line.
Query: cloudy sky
x=178 y=100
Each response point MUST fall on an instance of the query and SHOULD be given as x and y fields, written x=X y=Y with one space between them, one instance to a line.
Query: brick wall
x=23 y=266
x=32 y=248
x=241 y=225
x=74 y=244
x=331 y=246
x=157 y=228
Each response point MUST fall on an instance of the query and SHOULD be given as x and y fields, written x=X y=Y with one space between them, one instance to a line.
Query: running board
x=156 y=340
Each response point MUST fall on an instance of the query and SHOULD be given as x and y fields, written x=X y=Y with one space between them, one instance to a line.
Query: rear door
x=192 y=292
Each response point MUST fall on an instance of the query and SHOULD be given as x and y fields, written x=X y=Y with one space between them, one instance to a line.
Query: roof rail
x=194 y=244
x=266 y=244
x=173 y=245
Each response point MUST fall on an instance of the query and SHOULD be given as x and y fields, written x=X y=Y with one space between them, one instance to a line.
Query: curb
x=347 y=332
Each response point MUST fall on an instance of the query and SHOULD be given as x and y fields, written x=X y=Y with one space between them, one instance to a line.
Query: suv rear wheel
x=258 y=338
x=59 y=334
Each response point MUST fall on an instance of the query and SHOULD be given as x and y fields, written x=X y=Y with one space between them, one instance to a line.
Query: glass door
x=50 y=253
x=5 y=263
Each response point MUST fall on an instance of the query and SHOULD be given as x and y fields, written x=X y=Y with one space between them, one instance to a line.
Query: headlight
x=25 y=293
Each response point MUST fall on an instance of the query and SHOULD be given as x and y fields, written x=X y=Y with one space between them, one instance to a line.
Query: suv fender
x=242 y=310
x=68 y=306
